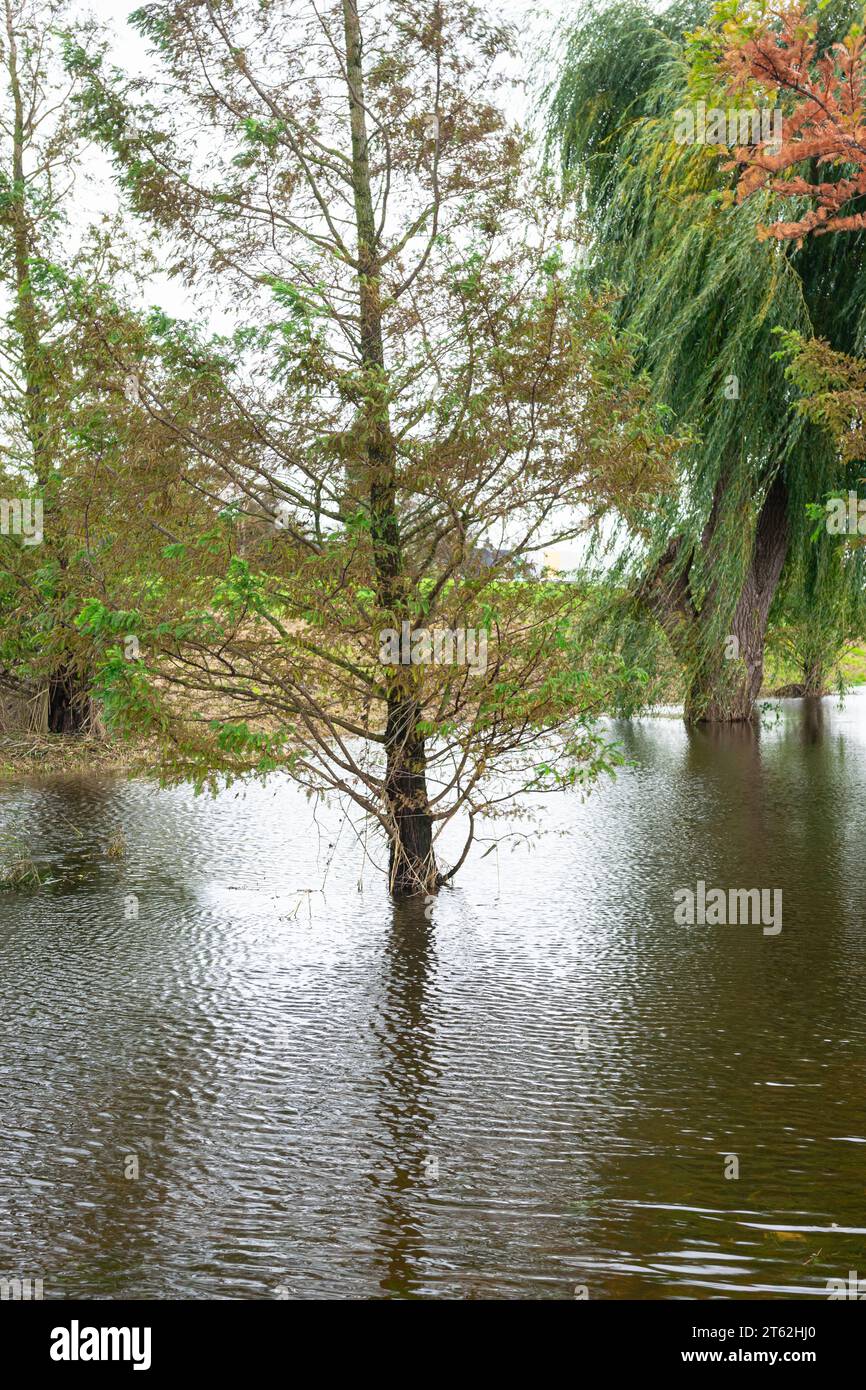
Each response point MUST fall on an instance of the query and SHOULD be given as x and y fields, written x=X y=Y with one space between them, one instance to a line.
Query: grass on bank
x=25 y=756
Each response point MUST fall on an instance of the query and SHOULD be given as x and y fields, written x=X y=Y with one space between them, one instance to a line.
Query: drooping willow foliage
x=705 y=296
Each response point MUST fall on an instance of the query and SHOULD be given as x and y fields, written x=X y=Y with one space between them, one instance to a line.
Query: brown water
x=330 y=1098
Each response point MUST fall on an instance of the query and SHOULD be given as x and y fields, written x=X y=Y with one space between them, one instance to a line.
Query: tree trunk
x=724 y=683
x=70 y=709
x=813 y=678
x=412 y=864
x=25 y=315
x=375 y=477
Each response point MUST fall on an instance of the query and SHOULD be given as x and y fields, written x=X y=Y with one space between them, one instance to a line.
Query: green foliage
x=705 y=297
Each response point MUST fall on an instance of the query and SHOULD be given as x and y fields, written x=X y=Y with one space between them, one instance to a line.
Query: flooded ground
x=547 y=1087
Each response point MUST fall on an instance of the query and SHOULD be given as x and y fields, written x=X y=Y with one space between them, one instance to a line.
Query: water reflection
x=535 y=1084
x=404 y=1025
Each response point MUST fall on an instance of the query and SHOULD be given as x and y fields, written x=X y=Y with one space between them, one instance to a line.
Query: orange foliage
x=822 y=121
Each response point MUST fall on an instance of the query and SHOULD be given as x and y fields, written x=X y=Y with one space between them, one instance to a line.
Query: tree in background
x=822 y=613
x=817 y=168
x=44 y=659
x=706 y=298
x=417 y=399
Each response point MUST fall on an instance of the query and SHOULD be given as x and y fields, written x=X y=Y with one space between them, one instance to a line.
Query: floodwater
x=270 y=1083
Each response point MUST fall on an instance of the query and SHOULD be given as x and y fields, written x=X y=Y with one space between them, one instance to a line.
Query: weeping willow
x=734 y=544
x=821 y=612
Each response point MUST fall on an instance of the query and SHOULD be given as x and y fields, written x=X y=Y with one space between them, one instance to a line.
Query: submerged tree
x=817 y=157
x=706 y=297
x=823 y=615
x=416 y=401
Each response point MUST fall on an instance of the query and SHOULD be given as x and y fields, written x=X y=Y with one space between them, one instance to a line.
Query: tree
x=42 y=242
x=782 y=56
x=417 y=399
x=706 y=299
x=822 y=613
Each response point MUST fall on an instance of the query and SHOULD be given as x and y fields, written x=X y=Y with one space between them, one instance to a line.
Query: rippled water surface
x=533 y=1092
